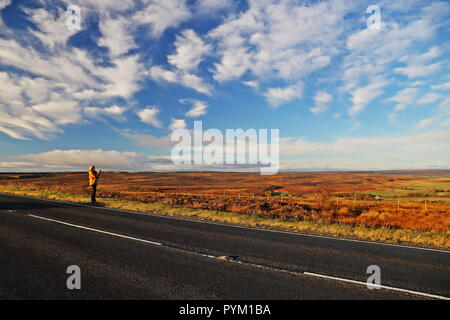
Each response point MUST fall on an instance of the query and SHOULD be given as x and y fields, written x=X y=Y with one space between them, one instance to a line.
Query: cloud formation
x=149 y=115
x=278 y=96
x=134 y=62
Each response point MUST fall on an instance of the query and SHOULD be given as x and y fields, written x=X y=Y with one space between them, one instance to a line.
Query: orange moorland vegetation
x=408 y=200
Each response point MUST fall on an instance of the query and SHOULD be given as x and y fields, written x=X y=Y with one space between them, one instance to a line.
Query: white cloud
x=376 y=53
x=16 y=165
x=432 y=53
x=192 y=81
x=10 y=90
x=251 y=83
x=444 y=106
x=407 y=95
x=112 y=111
x=190 y=51
x=378 y=145
x=26 y=124
x=416 y=70
x=265 y=39
x=425 y=123
x=40 y=120
x=149 y=141
x=404 y=98
x=211 y=6
x=322 y=97
x=234 y=64
x=60 y=66
x=123 y=78
x=61 y=78
x=61 y=112
x=400 y=107
x=177 y=124
x=319 y=109
x=418 y=83
x=446 y=122
x=103 y=6
x=116 y=35
x=39 y=90
x=416 y=63
x=198 y=109
x=149 y=115
x=373 y=51
x=4 y=3
x=363 y=96
x=162 y=14
x=82 y=159
x=429 y=98
x=443 y=86
x=321 y=102
x=159 y=74
x=392 y=117
x=418 y=151
x=278 y=96
x=52 y=31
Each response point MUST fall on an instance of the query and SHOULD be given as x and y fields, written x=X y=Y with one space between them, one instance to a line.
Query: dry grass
x=341 y=200
x=316 y=197
x=391 y=235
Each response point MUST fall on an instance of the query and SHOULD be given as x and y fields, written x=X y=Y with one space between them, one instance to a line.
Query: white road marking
x=237 y=226
x=241 y=262
x=380 y=286
x=96 y=230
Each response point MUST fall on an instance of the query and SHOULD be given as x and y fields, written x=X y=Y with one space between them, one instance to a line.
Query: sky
x=344 y=95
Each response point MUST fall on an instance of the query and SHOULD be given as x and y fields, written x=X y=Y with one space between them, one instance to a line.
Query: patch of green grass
x=281 y=193
x=426 y=190
x=427 y=239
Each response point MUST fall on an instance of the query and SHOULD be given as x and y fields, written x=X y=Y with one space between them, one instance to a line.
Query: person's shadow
x=97 y=204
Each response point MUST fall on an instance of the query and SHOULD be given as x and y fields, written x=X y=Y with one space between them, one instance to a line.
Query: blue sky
x=344 y=96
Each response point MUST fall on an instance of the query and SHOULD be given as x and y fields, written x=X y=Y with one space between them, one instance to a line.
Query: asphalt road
x=125 y=255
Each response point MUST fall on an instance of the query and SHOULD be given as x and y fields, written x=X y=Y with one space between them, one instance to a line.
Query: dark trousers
x=94 y=191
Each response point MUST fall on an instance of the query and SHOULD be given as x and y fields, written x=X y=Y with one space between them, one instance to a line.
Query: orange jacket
x=93 y=176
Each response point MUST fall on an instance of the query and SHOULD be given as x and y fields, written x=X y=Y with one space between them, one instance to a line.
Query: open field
x=419 y=184
x=418 y=202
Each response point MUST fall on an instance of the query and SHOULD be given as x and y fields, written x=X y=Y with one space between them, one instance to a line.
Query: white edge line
x=233 y=225
x=112 y=234
x=377 y=286
x=245 y=263
x=96 y=230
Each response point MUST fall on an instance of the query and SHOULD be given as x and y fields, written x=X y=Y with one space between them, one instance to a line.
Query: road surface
x=124 y=255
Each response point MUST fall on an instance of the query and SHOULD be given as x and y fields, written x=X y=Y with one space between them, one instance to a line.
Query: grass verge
x=399 y=236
